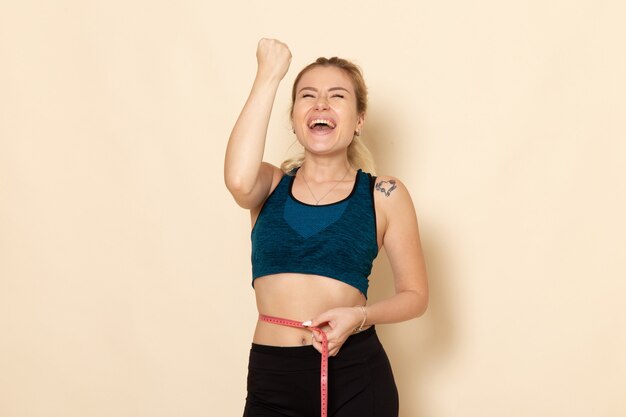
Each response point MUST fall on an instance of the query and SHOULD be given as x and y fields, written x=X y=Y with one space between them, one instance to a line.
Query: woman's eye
x=307 y=95
x=338 y=95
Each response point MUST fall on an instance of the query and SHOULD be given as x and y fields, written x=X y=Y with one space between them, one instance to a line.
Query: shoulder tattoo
x=386 y=187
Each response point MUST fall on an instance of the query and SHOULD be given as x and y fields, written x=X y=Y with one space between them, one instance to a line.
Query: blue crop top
x=336 y=240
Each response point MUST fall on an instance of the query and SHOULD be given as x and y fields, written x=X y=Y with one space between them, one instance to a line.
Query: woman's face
x=324 y=111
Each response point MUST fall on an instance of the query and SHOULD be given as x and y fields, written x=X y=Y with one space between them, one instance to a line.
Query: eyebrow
x=330 y=89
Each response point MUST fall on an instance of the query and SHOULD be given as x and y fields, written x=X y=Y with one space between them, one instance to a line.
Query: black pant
x=285 y=381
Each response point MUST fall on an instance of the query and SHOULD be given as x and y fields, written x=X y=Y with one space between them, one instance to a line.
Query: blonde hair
x=358 y=154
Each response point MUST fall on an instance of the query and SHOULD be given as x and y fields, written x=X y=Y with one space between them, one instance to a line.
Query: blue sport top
x=336 y=240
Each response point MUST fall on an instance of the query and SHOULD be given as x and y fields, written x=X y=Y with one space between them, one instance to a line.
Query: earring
x=357 y=132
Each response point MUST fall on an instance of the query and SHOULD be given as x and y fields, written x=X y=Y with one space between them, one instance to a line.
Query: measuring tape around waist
x=324 y=364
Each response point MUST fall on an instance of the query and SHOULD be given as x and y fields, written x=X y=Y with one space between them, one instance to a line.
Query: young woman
x=318 y=222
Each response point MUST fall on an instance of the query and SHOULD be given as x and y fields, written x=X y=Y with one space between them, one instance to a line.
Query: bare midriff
x=298 y=297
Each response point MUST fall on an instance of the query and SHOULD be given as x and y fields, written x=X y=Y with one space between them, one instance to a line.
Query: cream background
x=124 y=263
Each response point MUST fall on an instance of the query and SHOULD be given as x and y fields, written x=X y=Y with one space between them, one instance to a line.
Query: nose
x=321 y=103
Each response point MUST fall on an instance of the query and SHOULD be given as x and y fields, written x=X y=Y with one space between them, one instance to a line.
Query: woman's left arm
x=401 y=241
x=402 y=244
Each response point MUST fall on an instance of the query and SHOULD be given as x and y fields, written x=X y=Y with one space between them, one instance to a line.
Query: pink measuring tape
x=324 y=366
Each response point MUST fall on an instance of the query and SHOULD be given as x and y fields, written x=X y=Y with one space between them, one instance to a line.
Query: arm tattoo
x=386 y=187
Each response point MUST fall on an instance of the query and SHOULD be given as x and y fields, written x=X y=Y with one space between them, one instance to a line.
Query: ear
x=360 y=121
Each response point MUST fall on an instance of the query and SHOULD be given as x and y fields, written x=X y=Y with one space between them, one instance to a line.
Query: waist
x=366 y=343
x=301 y=298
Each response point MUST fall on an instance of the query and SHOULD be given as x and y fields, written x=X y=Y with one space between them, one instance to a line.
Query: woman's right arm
x=247 y=177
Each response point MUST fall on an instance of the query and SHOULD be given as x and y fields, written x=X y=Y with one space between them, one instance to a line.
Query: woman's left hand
x=338 y=324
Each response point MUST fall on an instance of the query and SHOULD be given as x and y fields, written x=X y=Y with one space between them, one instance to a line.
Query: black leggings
x=285 y=381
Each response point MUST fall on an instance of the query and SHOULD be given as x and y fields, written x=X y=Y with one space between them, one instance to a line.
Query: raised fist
x=273 y=58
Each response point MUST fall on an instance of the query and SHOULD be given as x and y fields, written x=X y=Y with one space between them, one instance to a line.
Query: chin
x=322 y=148
x=324 y=144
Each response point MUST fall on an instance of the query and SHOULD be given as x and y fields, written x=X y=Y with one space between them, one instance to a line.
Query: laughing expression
x=325 y=112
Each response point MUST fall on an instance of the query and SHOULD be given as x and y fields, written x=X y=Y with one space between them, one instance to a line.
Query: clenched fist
x=273 y=58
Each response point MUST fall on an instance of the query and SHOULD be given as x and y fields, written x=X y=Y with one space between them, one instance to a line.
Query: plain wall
x=125 y=264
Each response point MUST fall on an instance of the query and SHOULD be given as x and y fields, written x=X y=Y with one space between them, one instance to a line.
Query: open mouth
x=321 y=125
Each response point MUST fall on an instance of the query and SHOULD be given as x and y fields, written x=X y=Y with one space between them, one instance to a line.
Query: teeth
x=322 y=121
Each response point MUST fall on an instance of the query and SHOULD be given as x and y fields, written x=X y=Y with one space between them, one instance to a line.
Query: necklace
x=317 y=200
